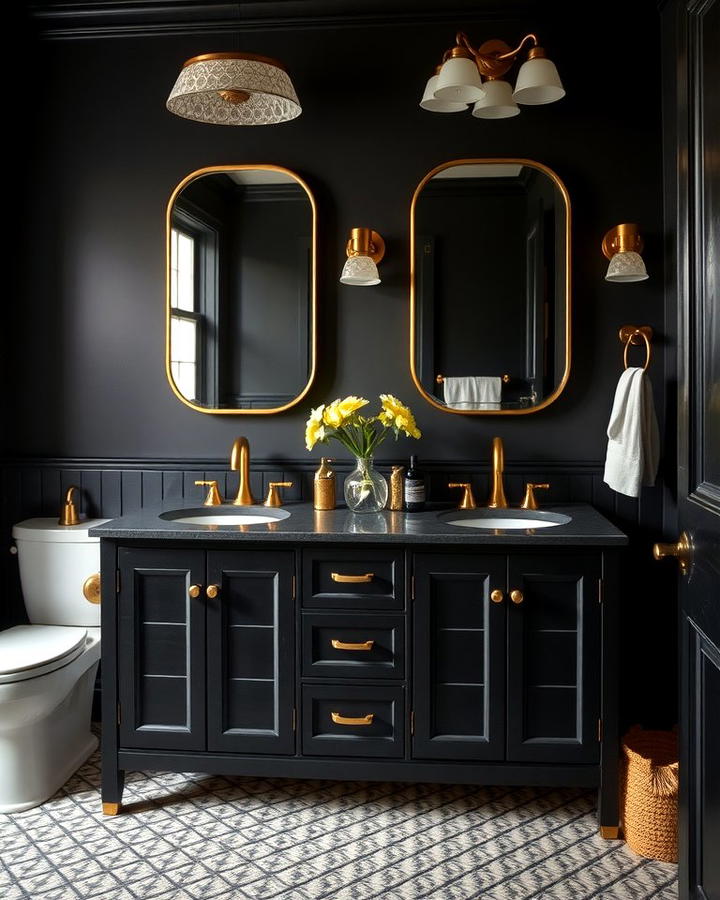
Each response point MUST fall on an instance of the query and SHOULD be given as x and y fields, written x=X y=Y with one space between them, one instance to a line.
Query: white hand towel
x=633 y=449
x=473 y=392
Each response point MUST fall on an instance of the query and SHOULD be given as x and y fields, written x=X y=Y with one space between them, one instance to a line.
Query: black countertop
x=305 y=525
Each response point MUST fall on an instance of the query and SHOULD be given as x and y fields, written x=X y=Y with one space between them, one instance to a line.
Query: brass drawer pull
x=343 y=645
x=352 y=579
x=194 y=591
x=351 y=720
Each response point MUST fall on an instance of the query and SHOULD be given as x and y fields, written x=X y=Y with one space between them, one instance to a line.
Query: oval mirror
x=240 y=293
x=490 y=286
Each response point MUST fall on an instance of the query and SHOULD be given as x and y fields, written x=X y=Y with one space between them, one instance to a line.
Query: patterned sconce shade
x=627 y=266
x=360 y=271
x=234 y=89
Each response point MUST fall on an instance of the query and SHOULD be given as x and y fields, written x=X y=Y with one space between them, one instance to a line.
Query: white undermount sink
x=225 y=516
x=505 y=519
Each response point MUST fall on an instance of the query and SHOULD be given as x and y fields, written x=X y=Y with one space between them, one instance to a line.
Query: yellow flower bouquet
x=341 y=420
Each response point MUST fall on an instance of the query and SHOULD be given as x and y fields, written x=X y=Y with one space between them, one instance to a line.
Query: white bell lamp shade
x=234 y=89
x=497 y=103
x=626 y=266
x=538 y=82
x=360 y=271
x=431 y=103
x=459 y=81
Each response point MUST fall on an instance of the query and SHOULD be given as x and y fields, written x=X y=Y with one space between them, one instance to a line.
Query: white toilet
x=48 y=668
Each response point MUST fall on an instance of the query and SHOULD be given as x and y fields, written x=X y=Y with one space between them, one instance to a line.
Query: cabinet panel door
x=250 y=651
x=553 y=665
x=459 y=678
x=161 y=649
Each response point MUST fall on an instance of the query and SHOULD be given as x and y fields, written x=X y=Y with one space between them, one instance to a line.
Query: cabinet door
x=459 y=680
x=553 y=672
x=161 y=649
x=250 y=651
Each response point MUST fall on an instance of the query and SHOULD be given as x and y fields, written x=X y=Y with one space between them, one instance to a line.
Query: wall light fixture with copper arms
x=470 y=76
x=622 y=245
x=364 y=250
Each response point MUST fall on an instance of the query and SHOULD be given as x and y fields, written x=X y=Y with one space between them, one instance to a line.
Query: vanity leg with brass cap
x=610 y=832
x=110 y=809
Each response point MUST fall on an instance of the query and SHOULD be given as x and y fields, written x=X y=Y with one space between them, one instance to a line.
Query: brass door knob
x=496 y=596
x=212 y=590
x=194 y=590
x=682 y=551
x=517 y=597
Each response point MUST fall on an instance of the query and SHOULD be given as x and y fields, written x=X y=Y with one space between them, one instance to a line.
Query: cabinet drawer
x=345 y=579
x=353 y=646
x=353 y=720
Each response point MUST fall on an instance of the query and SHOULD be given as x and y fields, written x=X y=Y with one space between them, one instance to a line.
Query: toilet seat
x=28 y=651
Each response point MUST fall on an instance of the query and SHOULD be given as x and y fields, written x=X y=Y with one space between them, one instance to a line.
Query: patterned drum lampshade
x=234 y=89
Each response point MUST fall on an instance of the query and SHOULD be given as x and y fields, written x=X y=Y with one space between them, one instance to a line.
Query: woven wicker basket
x=649 y=793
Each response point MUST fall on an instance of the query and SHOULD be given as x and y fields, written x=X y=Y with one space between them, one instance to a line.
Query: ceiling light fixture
x=234 y=89
x=364 y=250
x=458 y=81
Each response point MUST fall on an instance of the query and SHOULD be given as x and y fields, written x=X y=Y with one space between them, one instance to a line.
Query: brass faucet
x=213 y=495
x=497 y=494
x=240 y=462
x=530 y=500
x=467 y=501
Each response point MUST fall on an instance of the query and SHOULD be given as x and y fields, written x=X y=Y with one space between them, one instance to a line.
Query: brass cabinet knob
x=497 y=596
x=682 y=551
x=194 y=590
x=517 y=597
x=212 y=590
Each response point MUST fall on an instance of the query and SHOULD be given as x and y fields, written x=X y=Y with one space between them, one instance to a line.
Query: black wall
x=85 y=334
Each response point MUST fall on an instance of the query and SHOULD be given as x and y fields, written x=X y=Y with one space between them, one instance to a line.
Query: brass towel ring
x=648 y=350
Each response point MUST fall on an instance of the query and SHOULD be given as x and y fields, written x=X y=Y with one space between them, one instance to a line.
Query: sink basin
x=225 y=516
x=505 y=519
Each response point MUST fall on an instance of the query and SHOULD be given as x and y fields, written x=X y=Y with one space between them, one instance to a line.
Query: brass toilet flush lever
x=529 y=500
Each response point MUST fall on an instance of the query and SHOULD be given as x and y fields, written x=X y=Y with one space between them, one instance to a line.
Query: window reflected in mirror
x=241 y=289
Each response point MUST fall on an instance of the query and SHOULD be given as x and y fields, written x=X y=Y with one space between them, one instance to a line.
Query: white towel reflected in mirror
x=472 y=391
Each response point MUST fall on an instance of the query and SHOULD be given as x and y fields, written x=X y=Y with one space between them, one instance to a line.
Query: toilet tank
x=55 y=563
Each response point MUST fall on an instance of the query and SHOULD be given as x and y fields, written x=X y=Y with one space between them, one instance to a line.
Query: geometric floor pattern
x=199 y=837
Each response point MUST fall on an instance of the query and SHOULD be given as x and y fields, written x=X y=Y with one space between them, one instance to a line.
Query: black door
x=161 y=649
x=693 y=194
x=553 y=658
x=250 y=633
x=459 y=679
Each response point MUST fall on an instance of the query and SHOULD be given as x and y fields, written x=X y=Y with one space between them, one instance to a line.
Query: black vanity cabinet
x=205 y=650
x=507 y=656
x=424 y=656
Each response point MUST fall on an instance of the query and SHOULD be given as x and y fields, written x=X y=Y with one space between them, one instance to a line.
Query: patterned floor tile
x=200 y=837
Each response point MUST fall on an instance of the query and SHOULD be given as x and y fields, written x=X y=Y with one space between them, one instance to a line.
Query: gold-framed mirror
x=490 y=286
x=240 y=299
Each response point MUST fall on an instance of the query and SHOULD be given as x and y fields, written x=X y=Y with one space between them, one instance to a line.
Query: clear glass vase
x=366 y=490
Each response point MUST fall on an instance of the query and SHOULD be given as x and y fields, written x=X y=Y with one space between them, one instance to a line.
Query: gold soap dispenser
x=324 y=485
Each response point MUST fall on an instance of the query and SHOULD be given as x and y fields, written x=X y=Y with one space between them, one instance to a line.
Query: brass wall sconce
x=622 y=245
x=458 y=80
x=365 y=250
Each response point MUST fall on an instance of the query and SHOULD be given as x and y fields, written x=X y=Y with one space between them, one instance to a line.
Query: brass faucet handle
x=467 y=500
x=68 y=513
x=529 y=500
x=273 y=497
x=213 y=495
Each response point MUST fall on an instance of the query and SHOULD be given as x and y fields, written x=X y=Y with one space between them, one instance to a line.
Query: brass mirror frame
x=207 y=170
x=433 y=401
